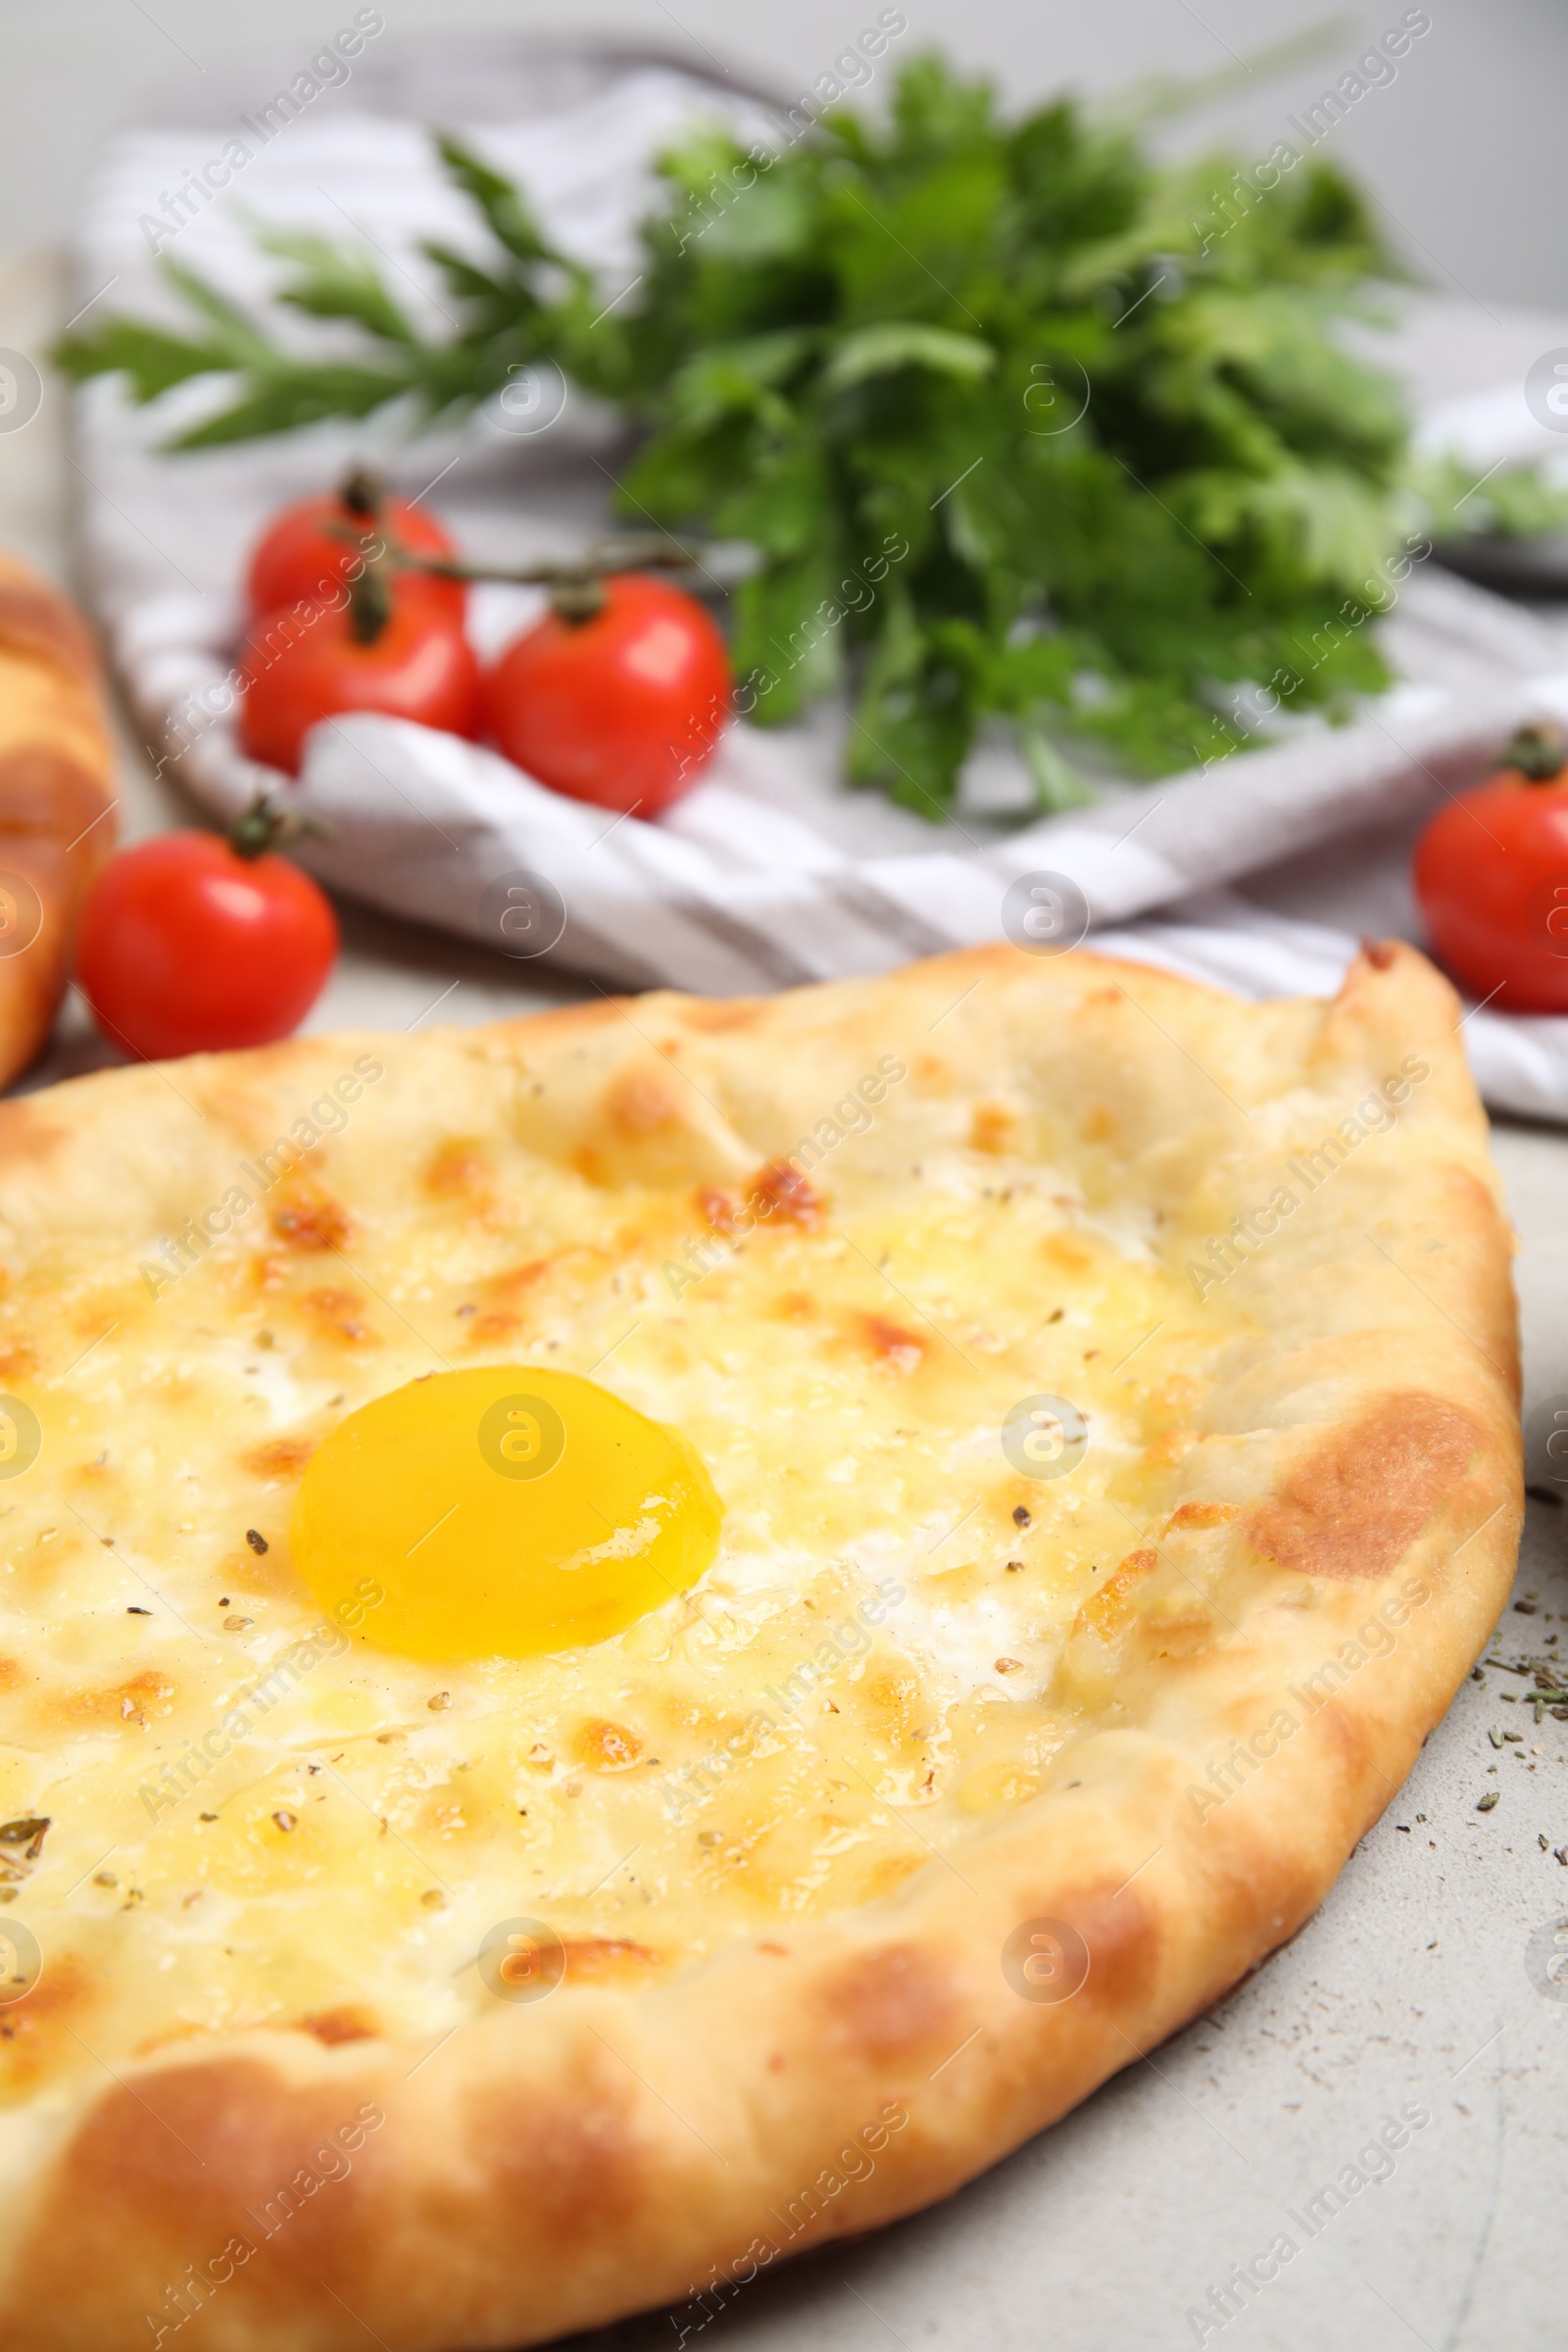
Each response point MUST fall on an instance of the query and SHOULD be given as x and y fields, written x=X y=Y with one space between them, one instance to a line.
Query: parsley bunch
x=1023 y=428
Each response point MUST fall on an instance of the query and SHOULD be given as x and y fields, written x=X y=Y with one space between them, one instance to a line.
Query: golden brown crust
x=36 y=622
x=1354 y=1503
x=1332 y=1549
x=56 y=795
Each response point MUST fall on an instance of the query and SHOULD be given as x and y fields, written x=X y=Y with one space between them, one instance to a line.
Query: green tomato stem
x=1536 y=752
x=264 y=827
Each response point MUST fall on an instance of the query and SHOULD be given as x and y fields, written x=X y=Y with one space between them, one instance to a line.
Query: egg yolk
x=501 y=1512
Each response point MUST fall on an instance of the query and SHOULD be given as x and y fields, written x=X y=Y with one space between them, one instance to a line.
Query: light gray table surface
x=1410 y=1985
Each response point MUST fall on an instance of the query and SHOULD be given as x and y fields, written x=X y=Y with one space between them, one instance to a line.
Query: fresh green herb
x=1517 y=502
x=1023 y=428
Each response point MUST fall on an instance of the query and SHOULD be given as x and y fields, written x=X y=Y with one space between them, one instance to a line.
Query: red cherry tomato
x=1491 y=874
x=298 y=556
x=301 y=667
x=188 y=947
x=624 y=708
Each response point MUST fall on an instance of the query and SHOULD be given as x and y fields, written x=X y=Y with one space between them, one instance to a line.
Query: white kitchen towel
x=1265 y=867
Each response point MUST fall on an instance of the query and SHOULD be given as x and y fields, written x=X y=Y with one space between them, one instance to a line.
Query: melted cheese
x=258 y=1820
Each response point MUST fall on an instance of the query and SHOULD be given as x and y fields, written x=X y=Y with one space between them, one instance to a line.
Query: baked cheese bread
x=57 y=800
x=1075 y=1419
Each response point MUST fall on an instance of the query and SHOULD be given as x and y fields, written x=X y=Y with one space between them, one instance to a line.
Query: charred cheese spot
x=604 y=1747
x=338 y=1315
x=334 y=2027
x=640 y=1101
x=609 y=1960
x=784 y=1197
x=279 y=1457
x=494 y=1326
x=1109 y=1610
x=507 y=1296
x=1201 y=1515
x=312 y=1220
x=716 y=1209
x=1171 y=1447
x=889 y=1343
x=138 y=1701
x=993 y=1128
x=1099 y=1642
x=517 y=1281
x=459 y=1169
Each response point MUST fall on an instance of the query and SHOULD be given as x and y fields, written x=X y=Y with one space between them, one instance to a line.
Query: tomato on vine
x=386 y=650
x=619 y=696
x=311 y=546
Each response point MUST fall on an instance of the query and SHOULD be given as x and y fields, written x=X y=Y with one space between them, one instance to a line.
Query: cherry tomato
x=187 y=945
x=298 y=556
x=623 y=708
x=1491 y=874
x=311 y=664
